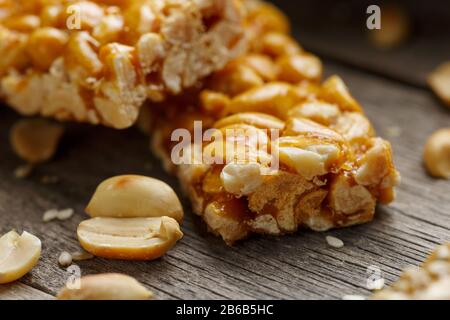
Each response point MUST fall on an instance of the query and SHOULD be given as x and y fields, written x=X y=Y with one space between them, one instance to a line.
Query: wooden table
x=201 y=266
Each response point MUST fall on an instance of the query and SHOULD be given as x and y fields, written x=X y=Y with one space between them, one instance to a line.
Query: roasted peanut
x=108 y=286
x=25 y=23
x=131 y=196
x=335 y=91
x=129 y=238
x=376 y=166
x=267 y=16
x=349 y=198
x=274 y=98
x=18 y=255
x=437 y=154
x=45 y=45
x=82 y=56
x=241 y=179
x=259 y=120
x=213 y=102
x=35 y=140
x=261 y=64
x=309 y=161
x=278 y=44
x=299 y=67
x=354 y=126
x=319 y=111
x=439 y=81
x=235 y=79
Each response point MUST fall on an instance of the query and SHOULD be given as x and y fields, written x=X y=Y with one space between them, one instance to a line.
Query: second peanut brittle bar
x=97 y=61
x=429 y=282
x=332 y=167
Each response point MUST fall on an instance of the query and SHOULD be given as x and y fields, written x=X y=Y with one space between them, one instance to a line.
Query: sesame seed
x=65 y=259
x=50 y=215
x=65 y=214
x=23 y=171
x=334 y=242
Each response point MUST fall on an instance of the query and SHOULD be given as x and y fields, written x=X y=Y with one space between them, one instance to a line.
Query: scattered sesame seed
x=334 y=242
x=65 y=214
x=23 y=171
x=50 y=215
x=65 y=259
x=53 y=214
x=376 y=284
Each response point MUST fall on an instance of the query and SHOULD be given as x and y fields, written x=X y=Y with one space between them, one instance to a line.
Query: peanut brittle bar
x=331 y=169
x=98 y=61
x=429 y=282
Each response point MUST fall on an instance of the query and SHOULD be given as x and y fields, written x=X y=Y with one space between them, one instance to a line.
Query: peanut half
x=132 y=196
x=129 y=238
x=108 y=286
x=18 y=255
x=439 y=81
x=35 y=140
x=437 y=154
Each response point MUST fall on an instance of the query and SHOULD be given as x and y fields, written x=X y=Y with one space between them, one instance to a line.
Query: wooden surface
x=201 y=266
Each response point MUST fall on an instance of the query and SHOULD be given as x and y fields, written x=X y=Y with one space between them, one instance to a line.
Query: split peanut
x=129 y=238
x=18 y=255
x=439 y=81
x=108 y=286
x=131 y=196
x=437 y=154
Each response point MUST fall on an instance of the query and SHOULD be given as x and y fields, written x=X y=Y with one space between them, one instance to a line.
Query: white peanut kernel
x=241 y=179
x=108 y=286
x=129 y=238
x=437 y=154
x=131 y=196
x=311 y=161
x=18 y=255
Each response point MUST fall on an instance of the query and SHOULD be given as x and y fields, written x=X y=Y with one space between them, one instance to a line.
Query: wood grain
x=19 y=291
x=201 y=266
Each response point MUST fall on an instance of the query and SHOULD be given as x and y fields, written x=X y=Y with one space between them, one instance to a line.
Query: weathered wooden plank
x=300 y=266
x=410 y=63
x=20 y=291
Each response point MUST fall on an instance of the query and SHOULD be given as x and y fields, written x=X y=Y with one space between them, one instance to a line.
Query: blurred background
x=413 y=40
